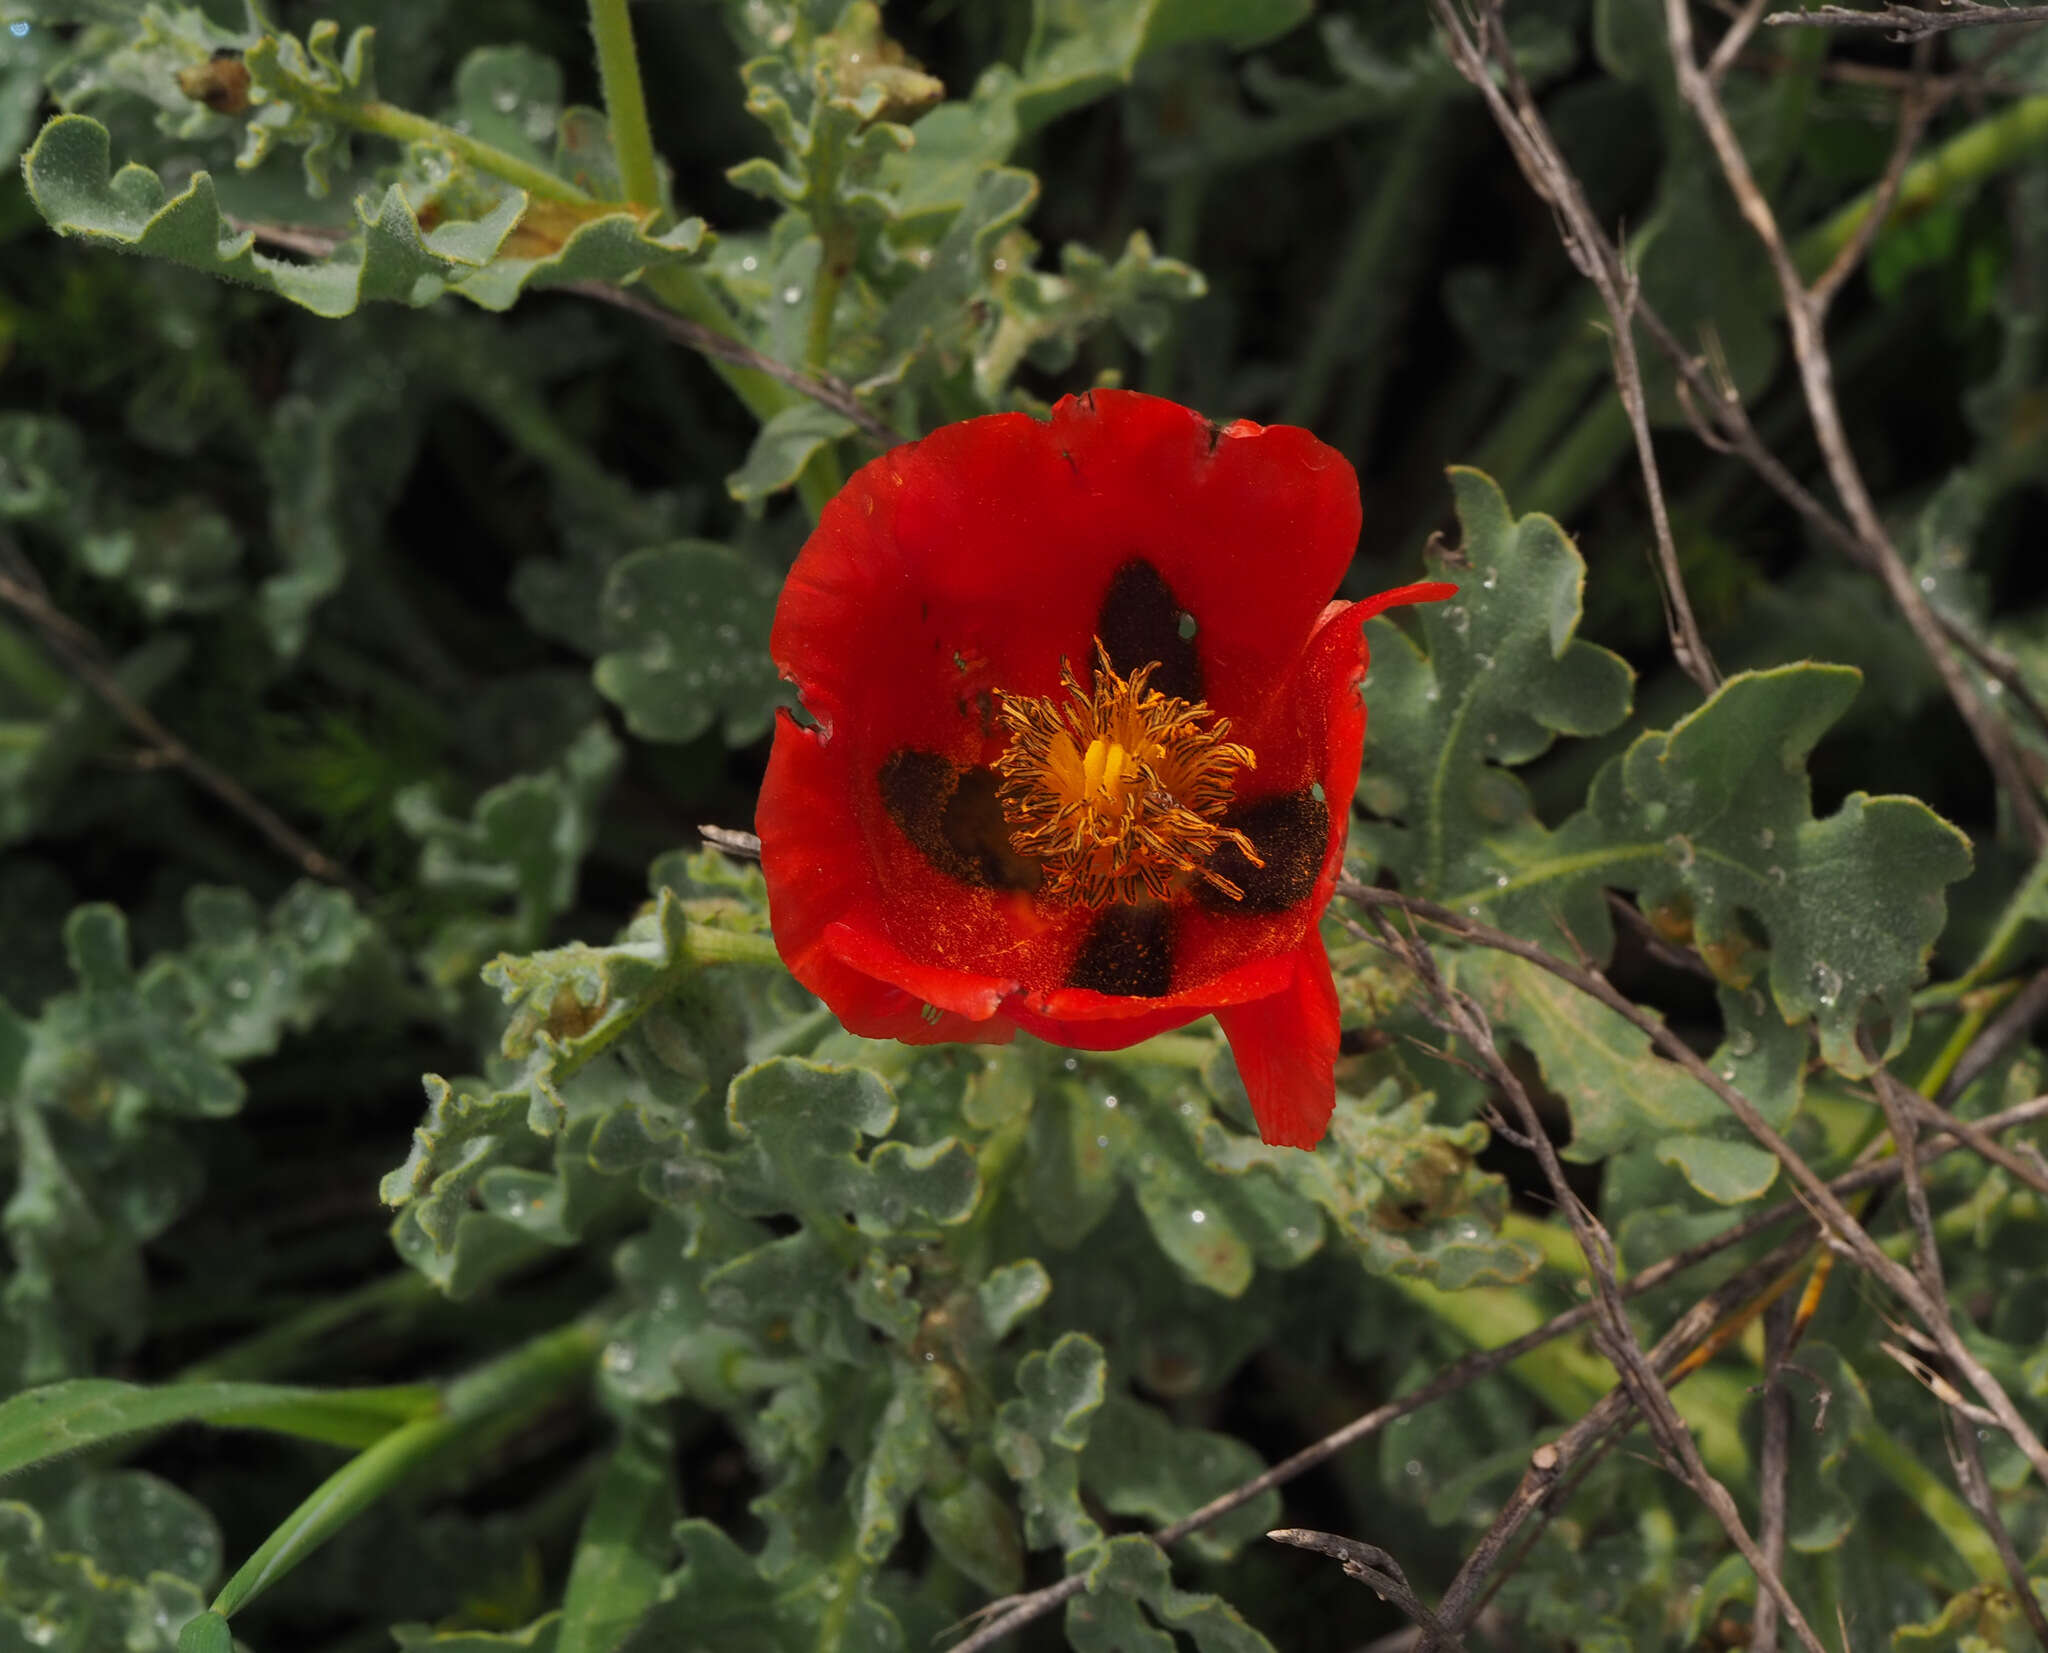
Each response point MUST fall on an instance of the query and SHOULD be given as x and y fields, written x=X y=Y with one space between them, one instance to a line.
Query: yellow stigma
x=1117 y=789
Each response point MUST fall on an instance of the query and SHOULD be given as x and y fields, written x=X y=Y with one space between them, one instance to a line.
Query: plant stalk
x=625 y=101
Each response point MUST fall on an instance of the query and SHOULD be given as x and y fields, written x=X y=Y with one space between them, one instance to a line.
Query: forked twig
x=1910 y=23
x=824 y=389
x=1372 y=1566
x=1640 y=1380
x=1841 y=1226
x=1805 y=311
x=1596 y=257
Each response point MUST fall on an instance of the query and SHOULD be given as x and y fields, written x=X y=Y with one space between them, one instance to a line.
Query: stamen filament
x=1119 y=789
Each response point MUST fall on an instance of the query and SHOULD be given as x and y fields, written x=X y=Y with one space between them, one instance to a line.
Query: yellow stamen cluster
x=1117 y=788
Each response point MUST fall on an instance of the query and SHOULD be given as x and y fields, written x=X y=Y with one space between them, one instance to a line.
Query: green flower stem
x=837 y=242
x=625 y=102
x=1181 y=232
x=1551 y=401
x=1368 y=293
x=387 y=120
x=477 y=1412
x=2024 y=906
x=1933 y=1498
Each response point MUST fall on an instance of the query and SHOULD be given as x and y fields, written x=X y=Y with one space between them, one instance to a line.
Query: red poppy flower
x=1087 y=727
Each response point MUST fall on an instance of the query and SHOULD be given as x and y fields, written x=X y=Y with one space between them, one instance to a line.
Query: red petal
x=1312 y=733
x=1110 y=1033
x=823 y=886
x=979 y=556
x=1286 y=1050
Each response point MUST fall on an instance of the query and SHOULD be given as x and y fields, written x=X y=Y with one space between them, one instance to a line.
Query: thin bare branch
x=1372 y=1566
x=81 y=654
x=1840 y=1224
x=1597 y=258
x=1911 y=23
x=1774 y=1459
x=1804 y=312
x=2026 y=1167
x=1740 y=28
x=827 y=391
x=743 y=846
x=1615 y=1336
x=1967 y=1458
x=1915 y=108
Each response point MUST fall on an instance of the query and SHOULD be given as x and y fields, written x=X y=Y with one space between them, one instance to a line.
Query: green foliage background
x=679 y=1317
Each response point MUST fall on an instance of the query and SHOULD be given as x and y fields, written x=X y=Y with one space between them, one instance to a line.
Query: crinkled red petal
x=1286 y=1050
x=1311 y=734
x=977 y=559
x=824 y=888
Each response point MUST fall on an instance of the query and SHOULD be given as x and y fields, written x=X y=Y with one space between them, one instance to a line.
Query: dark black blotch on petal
x=955 y=819
x=1140 y=623
x=1129 y=951
x=1291 y=832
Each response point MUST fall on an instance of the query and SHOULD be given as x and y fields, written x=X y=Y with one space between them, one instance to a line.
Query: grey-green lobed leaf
x=686 y=639
x=388 y=258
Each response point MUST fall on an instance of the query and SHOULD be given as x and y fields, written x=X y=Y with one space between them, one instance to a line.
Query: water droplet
x=619 y=1358
x=1431 y=692
x=1071 y=1063
x=1472 y=911
x=1777 y=875
x=1457 y=619
x=1680 y=847
x=504 y=100
x=1292 y=1232
x=1740 y=1041
x=728 y=634
x=1186 y=1109
x=1994 y=688
x=1102 y=1142
x=1766 y=838
x=1107 y=1101
x=750 y=263
x=1926 y=582
x=1500 y=881
x=1198 y=1216
x=1413 y=1466
x=1485 y=663
x=792 y=294
x=1827 y=986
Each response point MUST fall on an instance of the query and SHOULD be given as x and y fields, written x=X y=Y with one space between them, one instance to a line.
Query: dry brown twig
x=827 y=391
x=1901 y=1106
x=1012 y=1613
x=1714 y=409
x=1911 y=23
x=1373 y=1567
x=1774 y=1458
x=1614 y=1335
x=1805 y=312
x=1595 y=257
x=1842 y=1228
x=83 y=656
